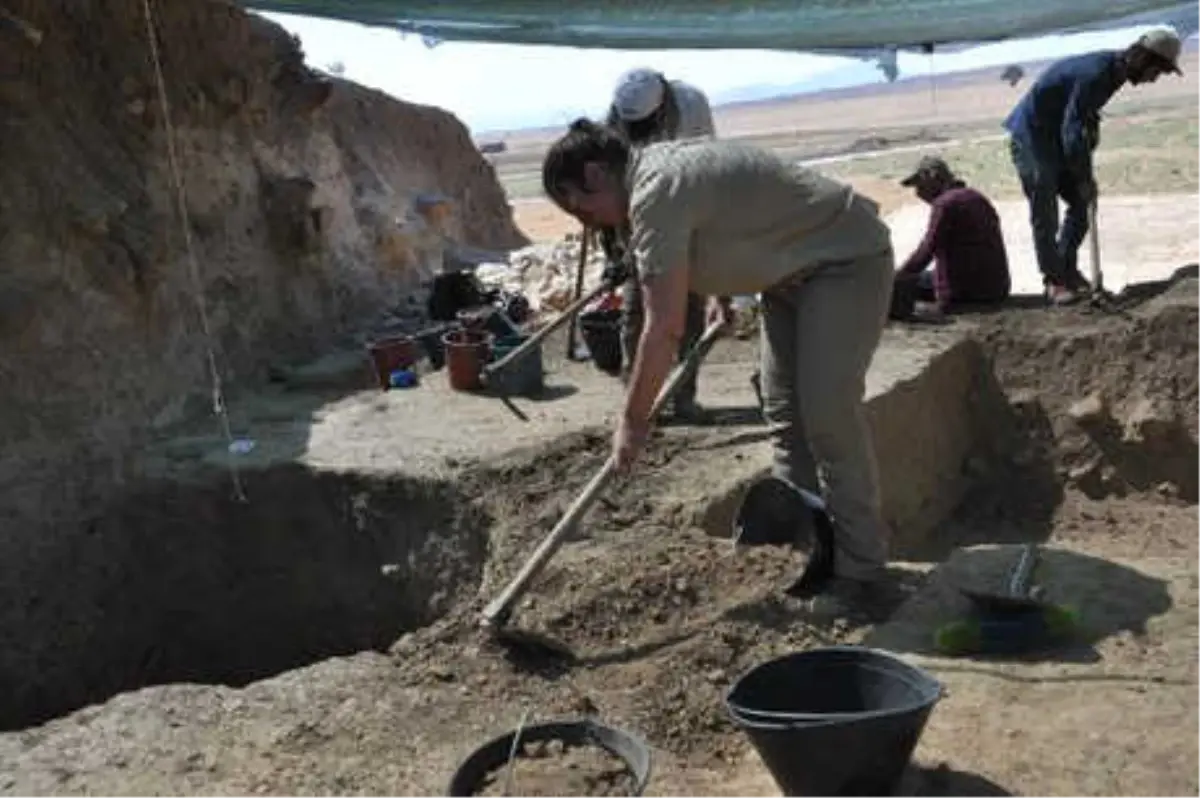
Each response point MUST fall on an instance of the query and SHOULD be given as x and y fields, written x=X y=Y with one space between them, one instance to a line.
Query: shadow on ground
x=1128 y=298
x=942 y=780
x=1109 y=598
x=548 y=393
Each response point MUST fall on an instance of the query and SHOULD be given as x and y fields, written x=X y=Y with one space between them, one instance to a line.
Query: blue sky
x=495 y=86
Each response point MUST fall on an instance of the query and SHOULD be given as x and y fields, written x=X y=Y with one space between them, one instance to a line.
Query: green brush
x=1007 y=634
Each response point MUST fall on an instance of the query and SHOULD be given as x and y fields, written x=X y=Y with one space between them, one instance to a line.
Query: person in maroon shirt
x=963 y=241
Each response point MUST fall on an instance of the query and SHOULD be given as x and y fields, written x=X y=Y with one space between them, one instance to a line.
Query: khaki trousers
x=819 y=335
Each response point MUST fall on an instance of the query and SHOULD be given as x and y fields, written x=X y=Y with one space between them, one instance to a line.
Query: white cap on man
x=1164 y=43
x=639 y=94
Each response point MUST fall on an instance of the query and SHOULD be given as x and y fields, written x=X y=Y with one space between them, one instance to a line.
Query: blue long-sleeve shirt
x=1059 y=116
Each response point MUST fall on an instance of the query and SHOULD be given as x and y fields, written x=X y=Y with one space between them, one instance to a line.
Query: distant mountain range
x=855 y=79
x=858 y=80
x=864 y=78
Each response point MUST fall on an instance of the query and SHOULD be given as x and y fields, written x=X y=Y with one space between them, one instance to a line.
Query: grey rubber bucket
x=842 y=720
x=525 y=376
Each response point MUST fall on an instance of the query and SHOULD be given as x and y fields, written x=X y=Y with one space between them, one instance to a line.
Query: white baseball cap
x=1164 y=43
x=639 y=93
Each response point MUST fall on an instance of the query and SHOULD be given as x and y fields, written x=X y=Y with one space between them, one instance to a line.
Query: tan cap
x=1164 y=43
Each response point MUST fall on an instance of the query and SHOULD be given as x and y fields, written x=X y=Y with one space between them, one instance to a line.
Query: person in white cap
x=647 y=108
x=1053 y=131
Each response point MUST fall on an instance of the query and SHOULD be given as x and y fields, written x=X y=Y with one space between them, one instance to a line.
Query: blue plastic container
x=402 y=378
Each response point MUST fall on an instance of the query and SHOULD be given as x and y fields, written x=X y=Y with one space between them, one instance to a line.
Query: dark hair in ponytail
x=584 y=142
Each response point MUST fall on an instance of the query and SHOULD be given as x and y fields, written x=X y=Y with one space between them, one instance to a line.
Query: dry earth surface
x=321 y=637
x=362 y=554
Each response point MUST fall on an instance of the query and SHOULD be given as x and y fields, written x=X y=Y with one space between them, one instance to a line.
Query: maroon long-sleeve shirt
x=965 y=243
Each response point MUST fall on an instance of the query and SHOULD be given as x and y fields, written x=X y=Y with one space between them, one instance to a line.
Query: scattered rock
x=1150 y=421
x=1084 y=471
x=546 y=273
x=1090 y=410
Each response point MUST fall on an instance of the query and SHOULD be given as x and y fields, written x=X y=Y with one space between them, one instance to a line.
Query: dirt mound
x=660 y=612
x=1107 y=401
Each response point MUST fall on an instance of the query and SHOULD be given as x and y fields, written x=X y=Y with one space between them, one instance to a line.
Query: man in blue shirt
x=1053 y=131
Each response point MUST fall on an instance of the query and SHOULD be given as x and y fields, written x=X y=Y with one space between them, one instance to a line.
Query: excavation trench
x=182 y=583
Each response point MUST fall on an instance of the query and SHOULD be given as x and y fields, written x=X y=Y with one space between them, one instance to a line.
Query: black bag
x=454 y=292
x=904 y=298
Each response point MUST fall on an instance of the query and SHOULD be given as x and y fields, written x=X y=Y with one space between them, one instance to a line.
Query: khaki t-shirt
x=740 y=218
x=695 y=114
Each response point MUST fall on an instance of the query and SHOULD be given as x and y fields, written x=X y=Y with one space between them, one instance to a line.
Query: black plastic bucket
x=468 y=779
x=772 y=513
x=776 y=513
x=842 y=720
x=601 y=332
x=430 y=339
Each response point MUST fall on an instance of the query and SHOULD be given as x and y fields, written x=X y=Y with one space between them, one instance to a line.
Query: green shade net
x=809 y=25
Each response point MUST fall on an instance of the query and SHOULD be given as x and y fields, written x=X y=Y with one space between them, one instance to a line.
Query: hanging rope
x=218 y=394
x=928 y=48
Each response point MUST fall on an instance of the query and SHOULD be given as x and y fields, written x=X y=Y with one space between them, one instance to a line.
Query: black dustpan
x=1020 y=596
x=776 y=512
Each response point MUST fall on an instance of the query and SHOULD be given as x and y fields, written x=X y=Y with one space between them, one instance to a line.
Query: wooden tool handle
x=496 y=613
x=579 y=269
x=1094 y=242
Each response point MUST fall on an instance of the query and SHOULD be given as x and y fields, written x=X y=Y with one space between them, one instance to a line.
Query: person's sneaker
x=841 y=598
x=1060 y=295
x=854 y=598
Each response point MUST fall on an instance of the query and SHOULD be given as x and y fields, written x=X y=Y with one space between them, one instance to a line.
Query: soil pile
x=1106 y=401
x=550 y=768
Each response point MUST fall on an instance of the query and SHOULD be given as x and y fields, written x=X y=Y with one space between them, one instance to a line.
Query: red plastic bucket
x=390 y=354
x=467 y=352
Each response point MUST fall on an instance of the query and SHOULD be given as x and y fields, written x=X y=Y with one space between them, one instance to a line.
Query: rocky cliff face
x=302 y=207
x=312 y=207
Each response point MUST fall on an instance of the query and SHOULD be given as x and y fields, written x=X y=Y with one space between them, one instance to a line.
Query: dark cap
x=929 y=168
